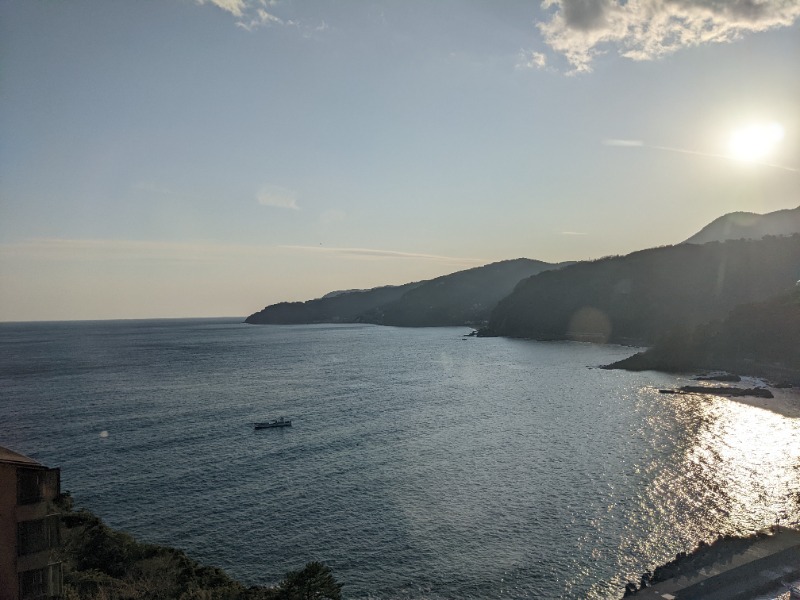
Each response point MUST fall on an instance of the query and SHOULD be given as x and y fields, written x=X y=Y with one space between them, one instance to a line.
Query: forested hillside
x=761 y=339
x=642 y=296
x=463 y=298
x=339 y=308
x=737 y=225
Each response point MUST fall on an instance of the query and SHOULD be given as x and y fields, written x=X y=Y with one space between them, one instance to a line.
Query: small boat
x=282 y=422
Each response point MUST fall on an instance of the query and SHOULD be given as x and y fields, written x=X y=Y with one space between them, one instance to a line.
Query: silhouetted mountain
x=340 y=292
x=463 y=298
x=642 y=296
x=341 y=307
x=738 y=225
x=758 y=339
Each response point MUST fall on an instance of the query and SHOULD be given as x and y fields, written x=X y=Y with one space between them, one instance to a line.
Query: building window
x=33 y=584
x=40 y=584
x=37 y=535
x=34 y=485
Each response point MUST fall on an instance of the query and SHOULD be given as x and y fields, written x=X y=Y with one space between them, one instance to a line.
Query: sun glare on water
x=754 y=143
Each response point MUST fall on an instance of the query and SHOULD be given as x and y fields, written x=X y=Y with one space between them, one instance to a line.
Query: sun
x=754 y=143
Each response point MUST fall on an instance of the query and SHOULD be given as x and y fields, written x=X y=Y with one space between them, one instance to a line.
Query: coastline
x=783 y=382
x=786 y=401
x=729 y=568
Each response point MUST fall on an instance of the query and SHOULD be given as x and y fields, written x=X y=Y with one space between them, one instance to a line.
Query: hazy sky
x=207 y=158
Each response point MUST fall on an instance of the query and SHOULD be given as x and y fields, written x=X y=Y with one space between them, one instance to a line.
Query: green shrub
x=102 y=564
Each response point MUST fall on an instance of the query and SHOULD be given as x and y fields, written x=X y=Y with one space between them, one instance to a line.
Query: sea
x=420 y=464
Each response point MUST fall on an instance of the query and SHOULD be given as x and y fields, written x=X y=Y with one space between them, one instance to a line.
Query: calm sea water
x=419 y=465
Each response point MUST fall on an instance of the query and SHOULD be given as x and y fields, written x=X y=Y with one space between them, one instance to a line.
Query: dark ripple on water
x=418 y=466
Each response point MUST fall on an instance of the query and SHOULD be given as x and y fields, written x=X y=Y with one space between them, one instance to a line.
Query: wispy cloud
x=310 y=31
x=573 y=233
x=259 y=18
x=647 y=29
x=255 y=14
x=235 y=7
x=528 y=59
x=277 y=197
x=641 y=144
x=723 y=156
x=372 y=253
x=63 y=250
x=623 y=143
x=251 y=14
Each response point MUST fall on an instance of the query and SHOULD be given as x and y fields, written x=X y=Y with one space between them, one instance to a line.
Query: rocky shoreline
x=649 y=360
x=735 y=392
x=728 y=561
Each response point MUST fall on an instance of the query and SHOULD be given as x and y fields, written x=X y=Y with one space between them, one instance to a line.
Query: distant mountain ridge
x=629 y=299
x=461 y=298
x=717 y=301
x=341 y=307
x=747 y=225
x=642 y=296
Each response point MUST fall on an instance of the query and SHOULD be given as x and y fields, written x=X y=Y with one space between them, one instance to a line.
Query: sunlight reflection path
x=750 y=456
x=709 y=466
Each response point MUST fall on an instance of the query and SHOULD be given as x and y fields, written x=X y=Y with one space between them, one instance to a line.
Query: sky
x=192 y=158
